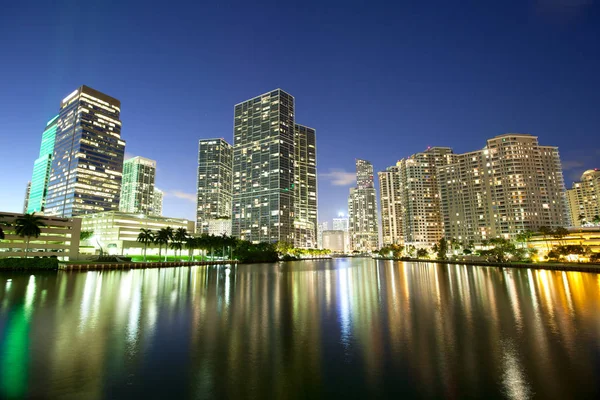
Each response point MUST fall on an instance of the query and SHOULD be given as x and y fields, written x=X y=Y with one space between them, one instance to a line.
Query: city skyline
x=407 y=79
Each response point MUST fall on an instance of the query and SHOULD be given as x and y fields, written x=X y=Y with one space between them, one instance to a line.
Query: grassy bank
x=15 y=264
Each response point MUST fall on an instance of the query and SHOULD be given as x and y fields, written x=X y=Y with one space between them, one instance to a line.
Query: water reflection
x=355 y=328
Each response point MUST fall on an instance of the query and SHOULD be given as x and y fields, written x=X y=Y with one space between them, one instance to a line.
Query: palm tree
x=2 y=232
x=560 y=233
x=191 y=243
x=164 y=236
x=27 y=226
x=545 y=231
x=146 y=236
x=179 y=237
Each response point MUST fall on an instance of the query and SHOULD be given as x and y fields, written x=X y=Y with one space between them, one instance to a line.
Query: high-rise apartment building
x=157 y=203
x=41 y=169
x=274 y=172
x=305 y=186
x=137 y=187
x=511 y=185
x=414 y=215
x=87 y=161
x=214 y=182
x=391 y=206
x=362 y=210
x=584 y=199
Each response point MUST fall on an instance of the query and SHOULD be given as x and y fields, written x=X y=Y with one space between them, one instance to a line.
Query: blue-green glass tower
x=41 y=169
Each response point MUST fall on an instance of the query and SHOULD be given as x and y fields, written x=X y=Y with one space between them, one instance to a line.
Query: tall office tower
x=214 y=182
x=391 y=206
x=420 y=209
x=87 y=162
x=322 y=227
x=584 y=199
x=137 y=187
x=305 y=187
x=263 y=168
x=362 y=209
x=41 y=169
x=511 y=185
x=157 y=203
x=26 y=199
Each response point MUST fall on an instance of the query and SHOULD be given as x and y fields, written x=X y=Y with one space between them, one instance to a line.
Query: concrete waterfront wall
x=137 y=265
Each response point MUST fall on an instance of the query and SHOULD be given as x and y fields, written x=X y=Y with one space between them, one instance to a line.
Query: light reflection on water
x=346 y=327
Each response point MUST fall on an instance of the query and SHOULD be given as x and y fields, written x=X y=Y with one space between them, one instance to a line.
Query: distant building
x=137 y=188
x=214 y=182
x=323 y=226
x=513 y=184
x=335 y=241
x=584 y=199
x=60 y=238
x=157 y=202
x=219 y=227
x=26 y=199
x=116 y=232
x=41 y=169
x=87 y=162
x=340 y=223
x=362 y=210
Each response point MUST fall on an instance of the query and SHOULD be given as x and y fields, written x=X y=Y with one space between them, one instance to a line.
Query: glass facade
x=214 y=182
x=87 y=162
x=362 y=210
x=263 y=168
x=41 y=169
x=137 y=188
x=305 y=186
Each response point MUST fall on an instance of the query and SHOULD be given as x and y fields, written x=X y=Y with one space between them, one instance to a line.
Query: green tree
x=163 y=237
x=560 y=233
x=1 y=231
x=545 y=231
x=146 y=236
x=191 y=244
x=284 y=247
x=501 y=249
x=442 y=249
x=422 y=253
x=28 y=226
x=596 y=219
x=85 y=235
x=524 y=237
x=179 y=238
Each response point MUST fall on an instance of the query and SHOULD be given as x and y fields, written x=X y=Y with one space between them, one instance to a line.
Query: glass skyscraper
x=214 y=182
x=263 y=168
x=137 y=188
x=87 y=162
x=41 y=169
x=362 y=210
x=305 y=186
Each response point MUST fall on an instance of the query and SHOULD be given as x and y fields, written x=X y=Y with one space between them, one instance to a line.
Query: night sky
x=379 y=81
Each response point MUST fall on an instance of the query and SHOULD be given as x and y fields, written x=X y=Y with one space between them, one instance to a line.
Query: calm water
x=340 y=328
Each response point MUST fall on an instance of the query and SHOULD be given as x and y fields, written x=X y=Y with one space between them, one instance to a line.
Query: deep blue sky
x=377 y=81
